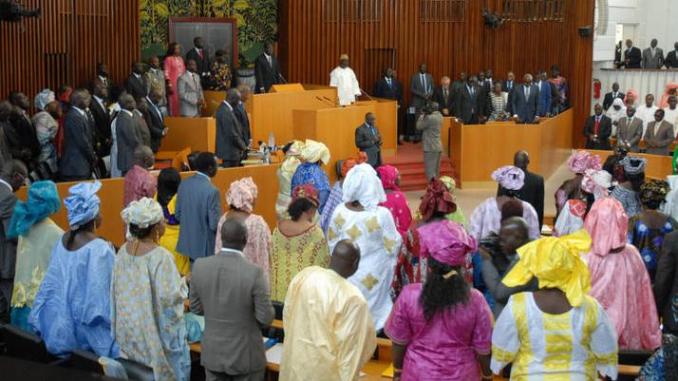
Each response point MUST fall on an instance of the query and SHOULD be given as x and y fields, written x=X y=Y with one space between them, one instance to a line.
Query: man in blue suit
x=544 y=104
x=525 y=101
x=198 y=210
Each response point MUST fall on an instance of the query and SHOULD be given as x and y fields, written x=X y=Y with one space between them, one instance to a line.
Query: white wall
x=660 y=21
x=618 y=12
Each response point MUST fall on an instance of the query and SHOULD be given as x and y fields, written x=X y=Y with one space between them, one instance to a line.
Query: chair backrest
x=87 y=361
x=24 y=345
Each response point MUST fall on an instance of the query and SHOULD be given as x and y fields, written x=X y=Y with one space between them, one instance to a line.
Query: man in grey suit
x=233 y=295
x=429 y=123
x=659 y=135
x=191 y=99
x=230 y=140
x=368 y=140
x=12 y=175
x=421 y=86
x=629 y=131
x=78 y=158
x=525 y=101
x=198 y=210
x=653 y=57
x=127 y=133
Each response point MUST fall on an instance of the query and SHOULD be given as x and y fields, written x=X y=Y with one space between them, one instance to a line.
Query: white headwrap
x=314 y=152
x=615 y=115
x=597 y=182
x=670 y=207
x=143 y=213
x=363 y=185
x=43 y=98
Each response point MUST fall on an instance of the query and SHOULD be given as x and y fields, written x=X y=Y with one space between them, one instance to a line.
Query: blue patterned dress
x=312 y=173
x=147 y=311
x=649 y=241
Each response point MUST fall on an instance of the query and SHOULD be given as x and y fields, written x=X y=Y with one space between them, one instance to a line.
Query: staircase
x=410 y=164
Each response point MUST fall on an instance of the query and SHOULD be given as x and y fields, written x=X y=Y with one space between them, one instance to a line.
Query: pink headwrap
x=242 y=194
x=447 y=242
x=388 y=175
x=580 y=161
x=306 y=191
x=607 y=224
x=509 y=177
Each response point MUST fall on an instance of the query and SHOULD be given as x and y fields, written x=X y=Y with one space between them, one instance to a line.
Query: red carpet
x=410 y=162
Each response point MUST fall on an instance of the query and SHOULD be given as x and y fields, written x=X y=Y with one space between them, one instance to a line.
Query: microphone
x=325 y=100
x=282 y=78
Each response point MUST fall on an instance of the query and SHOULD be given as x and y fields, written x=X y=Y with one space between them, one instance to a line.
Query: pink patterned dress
x=174 y=68
x=258 y=241
x=445 y=347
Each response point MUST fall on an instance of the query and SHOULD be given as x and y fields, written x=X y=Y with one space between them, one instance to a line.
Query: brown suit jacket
x=629 y=133
x=660 y=136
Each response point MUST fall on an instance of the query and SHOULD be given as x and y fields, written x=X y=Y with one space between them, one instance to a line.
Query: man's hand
x=446 y=111
x=165 y=131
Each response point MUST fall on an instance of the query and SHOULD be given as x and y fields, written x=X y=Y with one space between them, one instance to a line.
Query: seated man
x=327 y=333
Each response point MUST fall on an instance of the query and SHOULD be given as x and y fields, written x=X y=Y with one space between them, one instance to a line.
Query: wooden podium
x=197 y=133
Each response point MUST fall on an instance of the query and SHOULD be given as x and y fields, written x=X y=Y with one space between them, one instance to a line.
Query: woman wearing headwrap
x=458 y=215
x=616 y=112
x=580 y=340
x=297 y=242
x=578 y=162
x=441 y=329
x=619 y=281
x=313 y=155
x=630 y=175
x=38 y=235
x=669 y=90
x=371 y=227
x=648 y=228
x=285 y=173
x=396 y=201
x=335 y=198
x=168 y=185
x=147 y=297
x=72 y=308
x=486 y=218
x=594 y=185
x=240 y=198
x=46 y=127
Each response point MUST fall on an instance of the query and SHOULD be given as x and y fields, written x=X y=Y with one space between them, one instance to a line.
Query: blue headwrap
x=43 y=201
x=82 y=204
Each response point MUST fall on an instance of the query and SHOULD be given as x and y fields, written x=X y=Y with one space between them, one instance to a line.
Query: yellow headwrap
x=557 y=263
x=313 y=152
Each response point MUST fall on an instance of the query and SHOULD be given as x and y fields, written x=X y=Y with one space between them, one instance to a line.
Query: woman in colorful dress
x=37 y=235
x=220 y=72
x=289 y=165
x=174 y=68
x=648 y=228
x=578 y=163
x=595 y=185
x=396 y=201
x=313 y=155
x=297 y=243
x=630 y=175
x=336 y=195
x=241 y=197
x=371 y=227
x=580 y=339
x=458 y=215
x=441 y=329
x=147 y=297
x=168 y=185
x=72 y=309
x=618 y=280
x=486 y=218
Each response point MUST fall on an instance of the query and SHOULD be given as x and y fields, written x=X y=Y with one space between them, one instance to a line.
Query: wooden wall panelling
x=64 y=44
x=309 y=46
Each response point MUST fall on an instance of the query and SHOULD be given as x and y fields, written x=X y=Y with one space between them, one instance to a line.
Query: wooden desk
x=212 y=101
x=477 y=150
x=656 y=167
x=112 y=193
x=199 y=134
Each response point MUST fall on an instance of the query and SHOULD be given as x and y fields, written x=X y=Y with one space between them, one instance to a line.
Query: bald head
x=521 y=160
x=513 y=234
x=345 y=258
x=233 y=234
x=143 y=157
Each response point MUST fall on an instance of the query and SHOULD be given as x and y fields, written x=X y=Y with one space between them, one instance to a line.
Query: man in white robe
x=344 y=79
x=671 y=113
x=646 y=111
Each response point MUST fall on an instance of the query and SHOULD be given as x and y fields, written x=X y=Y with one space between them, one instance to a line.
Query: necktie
x=423 y=82
x=388 y=80
x=472 y=91
x=200 y=53
x=596 y=127
x=270 y=60
x=445 y=94
x=510 y=86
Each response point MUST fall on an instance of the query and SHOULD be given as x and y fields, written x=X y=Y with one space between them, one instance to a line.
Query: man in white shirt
x=646 y=111
x=344 y=79
x=671 y=113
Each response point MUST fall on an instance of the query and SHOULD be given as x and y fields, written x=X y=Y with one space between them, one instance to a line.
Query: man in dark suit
x=612 y=95
x=22 y=136
x=672 y=58
x=13 y=174
x=102 y=120
x=136 y=84
x=421 y=87
x=154 y=118
x=444 y=97
x=532 y=191
x=202 y=59
x=389 y=87
x=633 y=57
x=198 y=210
x=544 y=86
x=233 y=295
x=78 y=157
x=508 y=86
x=471 y=103
x=525 y=101
x=241 y=114
x=126 y=132
x=266 y=70
x=230 y=142
x=368 y=140
x=597 y=130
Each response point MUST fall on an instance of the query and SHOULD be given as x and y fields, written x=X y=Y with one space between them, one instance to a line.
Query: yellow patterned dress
x=290 y=255
x=171 y=236
x=573 y=346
